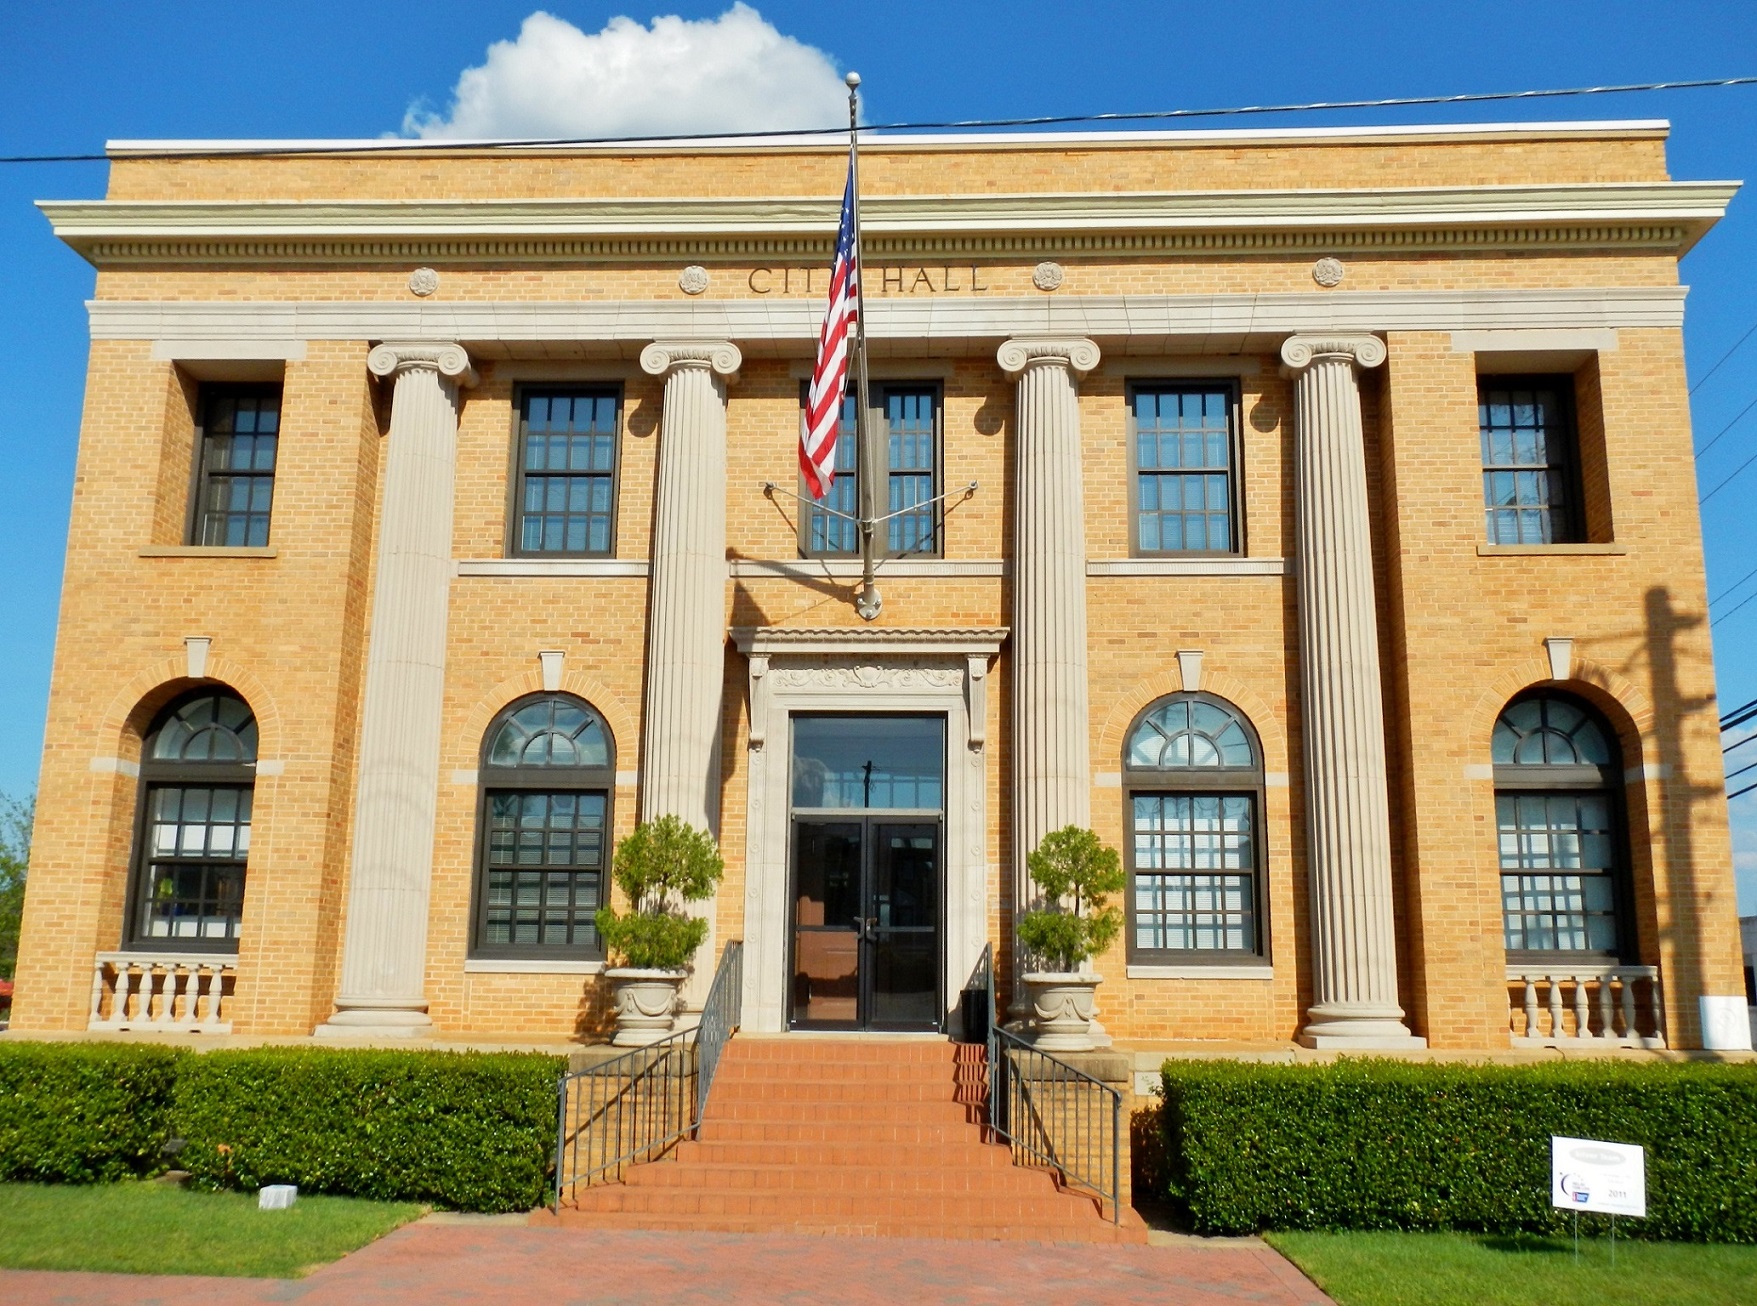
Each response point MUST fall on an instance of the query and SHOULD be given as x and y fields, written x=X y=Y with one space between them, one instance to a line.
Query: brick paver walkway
x=438 y=1262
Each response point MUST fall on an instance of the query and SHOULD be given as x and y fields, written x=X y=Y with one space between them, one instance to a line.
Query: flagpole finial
x=852 y=80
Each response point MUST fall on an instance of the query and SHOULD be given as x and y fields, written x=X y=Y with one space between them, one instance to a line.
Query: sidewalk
x=443 y=1260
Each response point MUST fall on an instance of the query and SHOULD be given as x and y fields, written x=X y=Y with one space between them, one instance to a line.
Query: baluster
x=1607 y=1024
x=177 y=977
x=1658 y=1011
x=1531 y=1030
x=152 y=995
x=97 y=992
x=124 y=984
x=1555 y=1030
x=199 y=983
x=1582 y=1008
x=218 y=996
x=1628 y=998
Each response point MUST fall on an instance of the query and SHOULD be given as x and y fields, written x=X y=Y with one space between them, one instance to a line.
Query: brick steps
x=872 y=1137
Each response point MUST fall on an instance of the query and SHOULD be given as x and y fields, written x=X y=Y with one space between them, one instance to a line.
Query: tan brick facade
x=1461 y=628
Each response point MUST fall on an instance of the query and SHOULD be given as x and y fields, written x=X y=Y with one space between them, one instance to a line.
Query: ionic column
x=686 y=625
x=1051 y=762
x=384 y=952
x=1355 y=953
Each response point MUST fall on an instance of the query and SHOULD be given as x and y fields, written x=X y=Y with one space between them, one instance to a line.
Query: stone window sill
x=552 y=566
x=530 y=966
x=204 y=551
x=1241 y=972
x=1550 y=550
x=1195 y=565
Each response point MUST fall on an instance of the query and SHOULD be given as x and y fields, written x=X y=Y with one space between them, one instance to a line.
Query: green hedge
x=84 y=1112
x=1371 y=1144
x=474 y=1131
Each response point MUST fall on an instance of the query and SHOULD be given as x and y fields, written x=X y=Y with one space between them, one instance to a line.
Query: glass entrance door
x=866 y=946
x=868 y=807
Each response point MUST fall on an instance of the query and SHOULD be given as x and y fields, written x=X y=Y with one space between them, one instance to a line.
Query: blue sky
x=76 y=73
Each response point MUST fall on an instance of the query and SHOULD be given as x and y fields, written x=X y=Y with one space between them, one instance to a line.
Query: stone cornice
x=1668 y=216
x=1203 y=323
x=852 y=641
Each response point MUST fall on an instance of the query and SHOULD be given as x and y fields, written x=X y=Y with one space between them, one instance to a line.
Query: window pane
x=1194 y=885
x=545 y=866
x=551 y=732
x=1184 y=732
x=1557 y=892
x=869 y=761
x=193 y=876
x=1183 y=480
x=569 y=467
x=1526 y=446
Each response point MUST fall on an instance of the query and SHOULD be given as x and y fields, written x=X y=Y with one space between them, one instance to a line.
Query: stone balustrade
x=1585 y=1005
x=168 y=992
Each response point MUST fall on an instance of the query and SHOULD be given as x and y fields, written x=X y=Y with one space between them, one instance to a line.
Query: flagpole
x=872 y=460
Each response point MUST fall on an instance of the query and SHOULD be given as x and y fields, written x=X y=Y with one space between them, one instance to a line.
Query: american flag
x=829 y=378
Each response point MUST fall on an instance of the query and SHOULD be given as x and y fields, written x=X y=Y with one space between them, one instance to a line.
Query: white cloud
x=727 y=74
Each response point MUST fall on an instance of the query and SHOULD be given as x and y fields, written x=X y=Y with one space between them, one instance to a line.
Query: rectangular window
x=235 y=476
x=1194 y=881
x=545 y=871
x=1530 y=468
x=1557 y=887
x=198 y=839
x=1185 y=454
x=907 y=419
x=565 y=489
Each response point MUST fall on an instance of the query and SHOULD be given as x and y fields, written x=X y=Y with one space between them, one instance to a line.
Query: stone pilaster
x=1347 y=812
x=1051 y=753
x=686 y=628
x=384 y=952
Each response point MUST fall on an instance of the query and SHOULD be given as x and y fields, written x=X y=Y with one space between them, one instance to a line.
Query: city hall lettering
x=884 y=279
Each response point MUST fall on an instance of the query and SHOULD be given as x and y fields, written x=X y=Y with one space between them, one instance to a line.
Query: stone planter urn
x=647 y=1003
x=1061 y=1006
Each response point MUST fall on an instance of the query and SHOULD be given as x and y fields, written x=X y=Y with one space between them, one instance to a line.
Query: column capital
x=1299 y=352
x=722 y=357
x=447 y=358
x=1079 y=356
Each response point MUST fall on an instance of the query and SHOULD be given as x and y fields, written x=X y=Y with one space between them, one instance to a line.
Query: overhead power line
x=1723 y=358
x=1730 y=588
x=955 y=124
x=1723 y=430
x=1744 y=712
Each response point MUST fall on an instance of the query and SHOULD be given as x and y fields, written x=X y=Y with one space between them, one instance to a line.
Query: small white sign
x=1588 y=1175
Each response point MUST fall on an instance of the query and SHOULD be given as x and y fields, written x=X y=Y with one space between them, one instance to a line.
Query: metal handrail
x=634 y=1107
x=1049 y=1112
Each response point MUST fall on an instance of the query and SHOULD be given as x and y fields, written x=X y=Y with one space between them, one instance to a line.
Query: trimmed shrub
x=83 y=1113
x=1374 y=1144
x=473 y=1131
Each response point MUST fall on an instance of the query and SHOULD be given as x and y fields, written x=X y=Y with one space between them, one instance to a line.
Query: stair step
x=731 y=1090
x=961 y=1149
x=1084 y=1230
x=842 y=1179
x=846 y=1112
x=870 y=1133
x=1047 y=1206
x=794 y=1047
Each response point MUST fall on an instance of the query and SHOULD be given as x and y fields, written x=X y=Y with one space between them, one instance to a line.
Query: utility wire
x=1723 y=358
x=1730 y=588
x=1738 y=716
x=1729 y=612
x=1723 y=430
x=1741 y=793
x=1047 y=120
x=1726 y=481
x=1749 y=766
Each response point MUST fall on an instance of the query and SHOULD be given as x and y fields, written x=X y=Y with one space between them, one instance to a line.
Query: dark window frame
x=155 y=776
x=1235 y=507
x=1214 y=781
x=1604 y=781
x=202 y=473
x=492 y=780
x=878 y=421
x=1568 y=525
x=515 y=481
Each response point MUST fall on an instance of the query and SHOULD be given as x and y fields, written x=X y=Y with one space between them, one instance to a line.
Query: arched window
x=1560 y=828
x=197 y=775
x=1193 y=778
x=548 y=772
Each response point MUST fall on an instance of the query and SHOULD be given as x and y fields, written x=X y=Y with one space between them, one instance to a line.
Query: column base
x=377 y=1022
x=1362 y=1028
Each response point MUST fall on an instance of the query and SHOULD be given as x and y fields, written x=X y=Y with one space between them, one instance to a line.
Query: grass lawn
x=1455 y=1269
x=147 y=1228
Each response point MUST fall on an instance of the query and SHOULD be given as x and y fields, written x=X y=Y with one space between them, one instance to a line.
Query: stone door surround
x=862 y=670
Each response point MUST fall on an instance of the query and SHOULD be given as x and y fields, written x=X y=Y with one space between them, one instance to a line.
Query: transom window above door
x=896 y=762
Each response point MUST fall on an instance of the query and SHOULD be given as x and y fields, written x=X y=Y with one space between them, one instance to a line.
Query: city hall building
x=1309 y=513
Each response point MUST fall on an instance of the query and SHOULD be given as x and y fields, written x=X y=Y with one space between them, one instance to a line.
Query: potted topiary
x=660 y=867
x=1076 y=875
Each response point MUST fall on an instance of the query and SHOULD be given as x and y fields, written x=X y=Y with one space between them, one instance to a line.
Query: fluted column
x=1051 y=754
x=384 y=952
x=1347 y=814
x=686 y=625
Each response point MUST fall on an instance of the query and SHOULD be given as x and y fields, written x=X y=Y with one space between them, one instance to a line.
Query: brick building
x=1310 y=513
